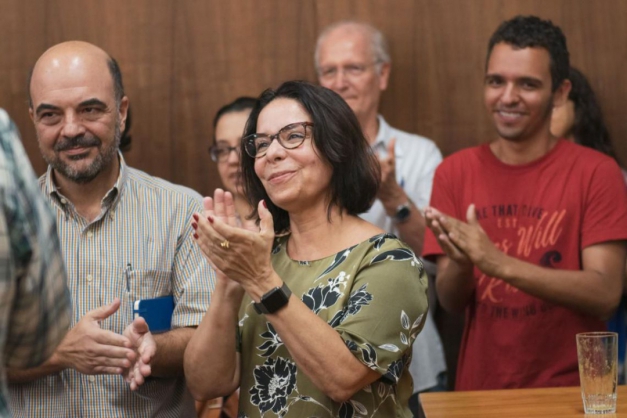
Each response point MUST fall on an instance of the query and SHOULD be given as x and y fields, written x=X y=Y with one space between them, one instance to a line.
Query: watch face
x=274 y=300
x=402 y=213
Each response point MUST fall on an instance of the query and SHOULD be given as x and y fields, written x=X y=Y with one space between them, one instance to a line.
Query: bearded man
x=126 y=236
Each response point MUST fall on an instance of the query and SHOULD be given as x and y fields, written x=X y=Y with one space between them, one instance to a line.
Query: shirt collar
x=110 y=199
x=383 y=139
x=383 y=136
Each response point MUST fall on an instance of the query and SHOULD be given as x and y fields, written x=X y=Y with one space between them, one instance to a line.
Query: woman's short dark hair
x=589 y=128
x=238 y=105
x=338 y=139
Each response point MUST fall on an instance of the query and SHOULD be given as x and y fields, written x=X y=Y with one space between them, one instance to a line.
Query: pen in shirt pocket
x=127 y=272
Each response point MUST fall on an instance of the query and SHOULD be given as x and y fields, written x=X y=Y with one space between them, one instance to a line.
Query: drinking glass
x=597 y=353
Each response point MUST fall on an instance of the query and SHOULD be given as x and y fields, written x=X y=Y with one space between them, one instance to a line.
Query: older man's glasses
x=349 y=70
x=290 y=137
x=220 y=153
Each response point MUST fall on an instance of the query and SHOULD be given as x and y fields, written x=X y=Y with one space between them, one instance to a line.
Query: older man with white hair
x=353 y=59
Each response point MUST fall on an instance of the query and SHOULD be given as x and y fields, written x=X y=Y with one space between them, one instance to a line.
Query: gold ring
x=225 y=244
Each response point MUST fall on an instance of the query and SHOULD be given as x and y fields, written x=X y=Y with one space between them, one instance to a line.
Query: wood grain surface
x=514 y=403
x=182 y=60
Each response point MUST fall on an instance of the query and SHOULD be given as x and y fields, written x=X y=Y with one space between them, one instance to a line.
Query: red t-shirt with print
x=544 y=212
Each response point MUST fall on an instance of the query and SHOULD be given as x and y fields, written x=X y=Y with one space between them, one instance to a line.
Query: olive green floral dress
x=374 y=295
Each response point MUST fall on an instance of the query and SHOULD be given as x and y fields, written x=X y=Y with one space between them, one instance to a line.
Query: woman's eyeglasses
x=290 y=137
x=220 y=152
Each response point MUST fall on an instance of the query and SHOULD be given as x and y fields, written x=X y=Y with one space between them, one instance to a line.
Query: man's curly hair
x=531 y=31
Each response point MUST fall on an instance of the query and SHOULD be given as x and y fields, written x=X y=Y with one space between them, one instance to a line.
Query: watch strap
x=273 y=300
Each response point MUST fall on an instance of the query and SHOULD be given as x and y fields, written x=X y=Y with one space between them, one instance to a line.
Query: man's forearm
x=51 y=366
x=412 y=231
x=454 y=284
x=168 y=360
x=589 y=292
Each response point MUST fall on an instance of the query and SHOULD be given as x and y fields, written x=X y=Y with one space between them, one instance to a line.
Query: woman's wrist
x=265 y=283
x=228 y=291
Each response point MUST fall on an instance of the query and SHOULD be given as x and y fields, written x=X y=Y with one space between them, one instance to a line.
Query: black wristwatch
x=402 y=212
x=273 y=300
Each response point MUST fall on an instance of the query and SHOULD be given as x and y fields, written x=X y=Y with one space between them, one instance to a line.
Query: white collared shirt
x=416 y=160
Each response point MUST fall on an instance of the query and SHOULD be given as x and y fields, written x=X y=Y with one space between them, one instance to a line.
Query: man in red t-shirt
x=528 y=231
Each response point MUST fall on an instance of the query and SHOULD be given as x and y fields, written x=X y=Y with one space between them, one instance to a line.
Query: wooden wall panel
x=597 y=39
x=138 y=34
x=451 y=57
x=438 y=51
x=230 y=49
x=396 y=21
x=182 y=60
x=22 y=37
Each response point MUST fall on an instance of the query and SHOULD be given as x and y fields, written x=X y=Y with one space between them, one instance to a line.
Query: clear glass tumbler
x=598 y=371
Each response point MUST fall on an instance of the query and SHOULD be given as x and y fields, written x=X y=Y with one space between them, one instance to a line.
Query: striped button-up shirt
x=34 y=299
x=139 y=247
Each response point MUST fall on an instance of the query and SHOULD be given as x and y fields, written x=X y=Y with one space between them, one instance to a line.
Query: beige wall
x=183 y=59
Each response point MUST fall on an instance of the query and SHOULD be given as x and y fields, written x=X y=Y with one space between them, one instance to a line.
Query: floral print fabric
x=374 y=295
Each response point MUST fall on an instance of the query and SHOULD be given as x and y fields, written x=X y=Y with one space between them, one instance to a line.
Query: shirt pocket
x=148 y=284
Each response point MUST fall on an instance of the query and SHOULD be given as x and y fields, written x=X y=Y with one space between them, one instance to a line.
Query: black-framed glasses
x=290 y=137
x=220 y=152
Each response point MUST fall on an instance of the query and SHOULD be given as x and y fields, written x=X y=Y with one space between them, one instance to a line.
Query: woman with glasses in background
x=315 y=310
x=228 y=125
x=228 y=128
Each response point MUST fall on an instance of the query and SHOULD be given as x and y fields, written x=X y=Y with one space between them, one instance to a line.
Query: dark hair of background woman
x=237 y=105
x=589 y=128
x=338 y=139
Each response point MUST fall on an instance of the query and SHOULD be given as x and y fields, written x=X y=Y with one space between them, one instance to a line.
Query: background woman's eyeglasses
x=290 y=137
x=220 y=153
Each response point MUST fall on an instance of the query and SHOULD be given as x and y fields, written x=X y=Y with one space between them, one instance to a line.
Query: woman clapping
x=315 y=311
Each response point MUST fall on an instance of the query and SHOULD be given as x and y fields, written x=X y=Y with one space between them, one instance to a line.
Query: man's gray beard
x=102 y=160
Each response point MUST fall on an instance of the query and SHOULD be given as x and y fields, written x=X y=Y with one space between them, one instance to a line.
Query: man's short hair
x=531 y=31
x=116 y=75
x=378 y=44
x=339 y=141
